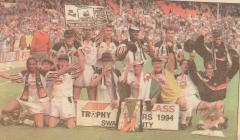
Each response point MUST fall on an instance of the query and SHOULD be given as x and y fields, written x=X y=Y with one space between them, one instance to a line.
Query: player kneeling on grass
x=22 y=115
x=106 y=80
x=170 y=92
x=190 y=92
x=212 y=87
x=61 y=103
x=34 y=98
x=130 y=118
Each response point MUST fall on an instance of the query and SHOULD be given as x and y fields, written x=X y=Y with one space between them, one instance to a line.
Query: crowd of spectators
x=21 y=21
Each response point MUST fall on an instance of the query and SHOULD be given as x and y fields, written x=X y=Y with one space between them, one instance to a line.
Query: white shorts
x=34 y=107
x=46 y=108
x=192 y=103
x=84 y=80
x=62 y=107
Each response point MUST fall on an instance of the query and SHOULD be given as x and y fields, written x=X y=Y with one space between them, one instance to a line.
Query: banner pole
x=121 y=2
x=218 y=12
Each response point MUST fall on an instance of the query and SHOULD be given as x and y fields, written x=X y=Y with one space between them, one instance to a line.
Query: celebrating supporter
x=215 y=50
x=62 y=104
x=139 y=91
x=170 y=92
x=107 y=44
x=190 y=91
x=89 y=51
x=106 y=81
x=212 y=87
x=140 y=86
x=133 y=49
x=34 y=97
x=167 y=43
x=68 y=46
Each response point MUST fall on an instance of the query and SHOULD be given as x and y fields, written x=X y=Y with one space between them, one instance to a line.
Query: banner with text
x=77 y=16
x=92 y=113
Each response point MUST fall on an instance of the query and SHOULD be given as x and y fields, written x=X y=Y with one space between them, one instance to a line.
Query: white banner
x=92 y=113
x=162 y=116
x=85 y=16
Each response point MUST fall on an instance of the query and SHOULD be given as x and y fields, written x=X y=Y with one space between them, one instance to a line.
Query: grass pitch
x=9 y=91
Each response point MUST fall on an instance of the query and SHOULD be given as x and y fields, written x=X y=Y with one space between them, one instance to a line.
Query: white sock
x=183 y=116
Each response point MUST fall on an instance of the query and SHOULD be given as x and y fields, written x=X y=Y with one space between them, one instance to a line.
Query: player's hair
x=47 y=61
x=209 y=62
x=181 y=62
x=30 y=59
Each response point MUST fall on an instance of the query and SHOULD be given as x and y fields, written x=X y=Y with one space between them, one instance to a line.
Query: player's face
x=170 y=34
x=134 y=35
x=157 y=67
x=69 y=41
x=32 y=65
x=108 y=32
x=184 y=66
x=87 y=33
x=107 y=64
x=137 y=69
x=46 y=66
x=210 y=69
x=63 y=64
x=208 y=38
x=218 y=41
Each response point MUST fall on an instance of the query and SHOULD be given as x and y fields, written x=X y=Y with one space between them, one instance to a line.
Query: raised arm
x=170 y=66
x=199 y=46
x=235 y=64
x=96 y=78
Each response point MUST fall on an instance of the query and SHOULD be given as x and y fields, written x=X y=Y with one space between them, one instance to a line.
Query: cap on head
x=106 y=56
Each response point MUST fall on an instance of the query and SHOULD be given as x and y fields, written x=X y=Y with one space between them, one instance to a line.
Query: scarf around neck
x=40 y=89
